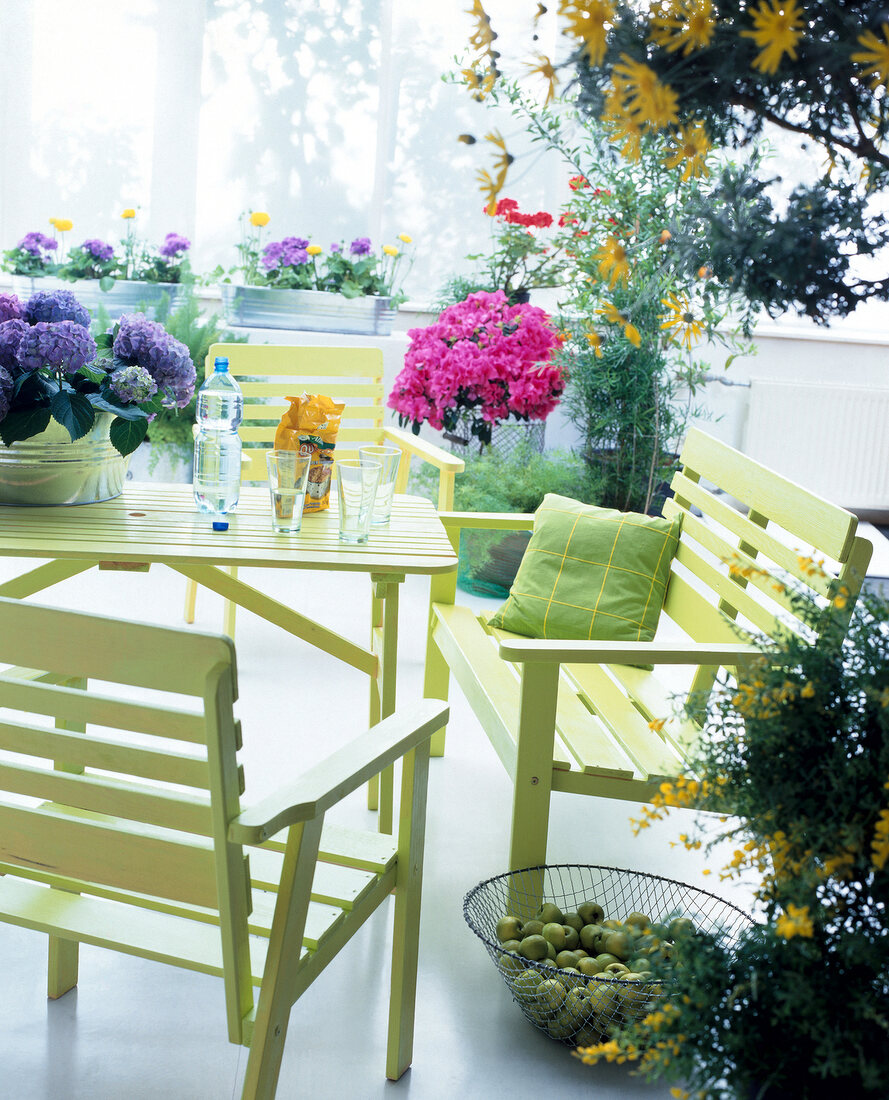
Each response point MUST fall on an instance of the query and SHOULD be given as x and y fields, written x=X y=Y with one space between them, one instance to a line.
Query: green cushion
x=592 y=573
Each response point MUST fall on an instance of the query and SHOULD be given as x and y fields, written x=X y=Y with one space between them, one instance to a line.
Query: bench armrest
x=448 y=465
x=527 y=650
x=488 y=521
x=341 y=773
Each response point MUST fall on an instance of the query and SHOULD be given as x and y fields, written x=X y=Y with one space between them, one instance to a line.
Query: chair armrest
x=341 y=773
x=423 y=449
x=488 y=521
x=526 y=650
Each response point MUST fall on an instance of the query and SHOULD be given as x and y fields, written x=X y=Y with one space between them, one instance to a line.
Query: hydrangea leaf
x=124 y=412
x=73 y=411
x=23 y=424
x=104 y=340
x=126 y=435
x=106 y=282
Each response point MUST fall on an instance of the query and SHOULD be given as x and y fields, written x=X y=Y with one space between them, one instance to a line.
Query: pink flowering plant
x=483 y=360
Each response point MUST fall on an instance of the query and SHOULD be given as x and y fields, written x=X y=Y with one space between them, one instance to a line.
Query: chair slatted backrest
x=270 y=374
x=110 y=781
x=780 y=527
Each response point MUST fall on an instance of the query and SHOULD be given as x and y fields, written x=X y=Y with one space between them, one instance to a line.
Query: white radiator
x=832 y=439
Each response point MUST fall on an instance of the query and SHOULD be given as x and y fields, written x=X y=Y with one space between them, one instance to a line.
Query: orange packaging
x=310 y=426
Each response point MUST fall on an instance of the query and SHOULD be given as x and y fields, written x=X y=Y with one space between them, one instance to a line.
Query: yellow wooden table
x=157 y=524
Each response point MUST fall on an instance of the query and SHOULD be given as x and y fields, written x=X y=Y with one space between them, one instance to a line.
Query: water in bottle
x=217 y=445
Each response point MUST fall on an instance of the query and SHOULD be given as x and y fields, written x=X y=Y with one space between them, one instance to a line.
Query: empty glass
x=357 y=483
x=388 y=458
x=288 y=473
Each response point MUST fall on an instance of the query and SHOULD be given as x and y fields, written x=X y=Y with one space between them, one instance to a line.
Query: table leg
x=384 y=643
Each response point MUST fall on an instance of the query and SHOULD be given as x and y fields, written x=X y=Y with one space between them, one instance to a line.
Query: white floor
x=138 y=1030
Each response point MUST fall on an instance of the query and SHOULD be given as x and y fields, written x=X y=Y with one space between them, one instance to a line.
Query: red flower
x=577 y=183
x=568 y=219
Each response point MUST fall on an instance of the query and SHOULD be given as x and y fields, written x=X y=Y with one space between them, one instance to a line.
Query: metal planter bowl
x=50 y=469
x=126 y=296
x=309 y=310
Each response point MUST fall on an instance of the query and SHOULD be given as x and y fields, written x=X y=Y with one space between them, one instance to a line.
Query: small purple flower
x=11 y=333
x=133 y=384
x=271 y=255
x=6 y=384
x=60 y=345
x=174 y=244
x=55 y=305
x=336 y=247
x=11 y=308
x=360 y=246
x=295 y=243
x=37 y=244
x=99 y=250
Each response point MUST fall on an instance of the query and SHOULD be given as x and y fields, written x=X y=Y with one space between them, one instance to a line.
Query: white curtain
x=329 y=114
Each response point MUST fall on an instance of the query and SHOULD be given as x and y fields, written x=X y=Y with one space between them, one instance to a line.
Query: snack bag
x=310 y=426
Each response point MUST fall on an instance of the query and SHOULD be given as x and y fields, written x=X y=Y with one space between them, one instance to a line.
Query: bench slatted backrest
x=270 y=374
x=111 y=788
x=714 y=581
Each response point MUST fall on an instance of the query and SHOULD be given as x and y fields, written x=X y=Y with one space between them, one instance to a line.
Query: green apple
x=509 y=928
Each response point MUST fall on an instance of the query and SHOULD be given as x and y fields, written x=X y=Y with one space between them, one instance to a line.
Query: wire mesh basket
x=574 y=1007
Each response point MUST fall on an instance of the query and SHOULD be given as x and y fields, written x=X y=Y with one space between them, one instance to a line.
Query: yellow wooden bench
x=270 y=373
x=582 y=717
x=121 y=825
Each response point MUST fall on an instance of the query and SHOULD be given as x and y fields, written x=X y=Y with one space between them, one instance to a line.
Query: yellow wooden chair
x=270 y=373
x=140 y=844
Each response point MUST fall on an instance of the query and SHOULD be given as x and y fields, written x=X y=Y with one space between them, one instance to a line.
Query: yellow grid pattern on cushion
x=591 y=573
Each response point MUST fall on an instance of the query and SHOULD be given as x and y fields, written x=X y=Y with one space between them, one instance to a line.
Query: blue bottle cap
x=220 y=524
x=220 y=363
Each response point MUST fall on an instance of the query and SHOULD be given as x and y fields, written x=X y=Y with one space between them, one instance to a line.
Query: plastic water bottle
x=217 y=445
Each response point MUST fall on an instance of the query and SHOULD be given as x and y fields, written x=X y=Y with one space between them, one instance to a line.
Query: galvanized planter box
x=126 y=296
x=310 y=310
x=51 y=469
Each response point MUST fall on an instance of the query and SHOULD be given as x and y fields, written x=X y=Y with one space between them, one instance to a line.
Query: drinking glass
x=388 y=458
x=357 y=483
x=288 y=473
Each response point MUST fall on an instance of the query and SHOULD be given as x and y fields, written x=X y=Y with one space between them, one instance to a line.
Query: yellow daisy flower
x=613 y=262
x=689 y=148
x=128 y=213
x=63 y=224
x=589 y=21
x=611 y=314
x=777 y=27
x=544 y=68
x=875 y=54
x=686 y=25
x=390 y=249
x=633 y=335
x=52 y=221
x=259 y=218
x=404 y=237
x=595 y=342
x=643 y=97
x=314 y=250
x=684 y=326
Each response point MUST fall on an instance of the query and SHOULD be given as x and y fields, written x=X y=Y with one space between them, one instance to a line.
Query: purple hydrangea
x=174 y=244
x=11 y=308
x=55 y=305
x=133 y=384
x=336 y=247
x=11 y=333
x=60 y=345
x=5 y=391
x=37 y=244
x=360 y=246
x=148 y=344
x=99 y=250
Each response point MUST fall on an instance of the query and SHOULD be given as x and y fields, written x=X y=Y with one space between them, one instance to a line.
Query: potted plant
x=482 y=363
x=74 y=407
x=794 y=760
x=521 y=258
x=33 y=263
x=292 y=283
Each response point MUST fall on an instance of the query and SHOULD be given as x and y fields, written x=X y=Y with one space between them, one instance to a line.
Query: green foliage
x=796 y=757
x=171 y=429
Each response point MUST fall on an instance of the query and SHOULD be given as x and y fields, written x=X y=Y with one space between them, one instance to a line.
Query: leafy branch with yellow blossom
x=794 y=760
x=704 y=73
